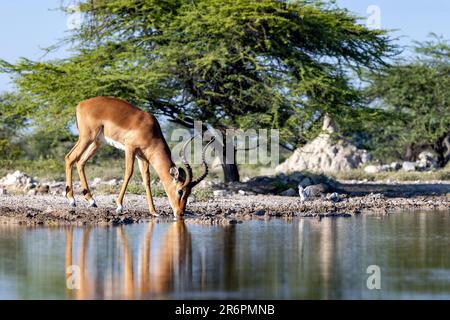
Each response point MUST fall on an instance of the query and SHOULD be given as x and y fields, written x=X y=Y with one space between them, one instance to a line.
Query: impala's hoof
x=92 y=203
x=119 y=209
x=72 y=202
x=154 y=214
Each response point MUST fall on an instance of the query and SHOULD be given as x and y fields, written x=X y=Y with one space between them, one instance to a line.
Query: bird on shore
x=304 y=193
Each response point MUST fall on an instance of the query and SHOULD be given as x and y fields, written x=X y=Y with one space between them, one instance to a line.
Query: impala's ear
x=174 y=173
x=178 y=174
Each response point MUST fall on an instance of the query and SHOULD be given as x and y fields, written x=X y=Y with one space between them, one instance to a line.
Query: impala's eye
x=180 y=193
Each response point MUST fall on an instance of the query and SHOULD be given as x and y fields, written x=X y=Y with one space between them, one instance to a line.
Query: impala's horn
x=186 y=163
x=205 y=166
x=189 y=181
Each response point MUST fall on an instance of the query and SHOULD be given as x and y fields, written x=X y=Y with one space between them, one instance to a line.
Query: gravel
x=53 y=209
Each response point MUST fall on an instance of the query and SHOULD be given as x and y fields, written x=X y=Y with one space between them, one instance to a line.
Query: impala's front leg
x=145 y=171
x=129 y=164
x=73 y=156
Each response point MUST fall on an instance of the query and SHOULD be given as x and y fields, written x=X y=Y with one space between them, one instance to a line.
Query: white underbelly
x=112 y=142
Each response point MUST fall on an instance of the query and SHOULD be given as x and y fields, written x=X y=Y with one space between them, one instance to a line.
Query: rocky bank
x=50 y=210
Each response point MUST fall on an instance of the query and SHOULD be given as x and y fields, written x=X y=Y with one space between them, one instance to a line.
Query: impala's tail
x=76 y=118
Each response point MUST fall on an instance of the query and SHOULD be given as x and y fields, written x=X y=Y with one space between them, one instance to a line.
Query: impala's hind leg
x=81 y=163
x=73 y=156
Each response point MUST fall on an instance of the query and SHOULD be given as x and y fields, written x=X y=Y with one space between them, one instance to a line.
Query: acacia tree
x=227 y=63
x=417 y=96
x=13 y=117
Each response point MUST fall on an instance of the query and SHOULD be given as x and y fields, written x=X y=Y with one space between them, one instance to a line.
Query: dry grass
x=359 y=174
x=54 y=170
x=114 y=169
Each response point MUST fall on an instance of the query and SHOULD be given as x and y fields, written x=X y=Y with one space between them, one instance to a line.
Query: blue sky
x=28 y=25
x=414 y=19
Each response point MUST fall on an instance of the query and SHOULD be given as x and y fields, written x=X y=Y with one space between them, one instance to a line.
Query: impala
x=138 y=133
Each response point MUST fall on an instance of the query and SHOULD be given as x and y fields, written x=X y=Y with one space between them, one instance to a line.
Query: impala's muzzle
x=178 y=213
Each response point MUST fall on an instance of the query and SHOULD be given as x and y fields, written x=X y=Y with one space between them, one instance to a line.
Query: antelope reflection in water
x=153 y=274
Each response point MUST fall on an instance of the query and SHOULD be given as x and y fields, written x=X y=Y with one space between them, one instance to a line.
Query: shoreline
x=53 y=210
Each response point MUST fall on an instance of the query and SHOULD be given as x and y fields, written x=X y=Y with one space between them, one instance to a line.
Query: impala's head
x=183 y=182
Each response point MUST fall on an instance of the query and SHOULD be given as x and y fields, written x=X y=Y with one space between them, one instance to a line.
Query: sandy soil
x=53 y=209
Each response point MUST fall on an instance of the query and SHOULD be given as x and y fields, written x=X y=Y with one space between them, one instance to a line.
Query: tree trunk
x=229 y=166
x=410 y=154
x=442 y=148
x=414 y=149
x=446 y=146
x=230 y=172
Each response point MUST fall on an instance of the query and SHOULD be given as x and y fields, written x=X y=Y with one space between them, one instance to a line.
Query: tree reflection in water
x=294 y=259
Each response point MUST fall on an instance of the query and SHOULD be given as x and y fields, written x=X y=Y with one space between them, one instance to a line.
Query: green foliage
x=372 y=128
x=280 y=64
x=13 y=117
x=416 y=96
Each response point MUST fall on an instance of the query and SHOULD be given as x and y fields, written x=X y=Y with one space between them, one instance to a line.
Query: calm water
x=297 y=259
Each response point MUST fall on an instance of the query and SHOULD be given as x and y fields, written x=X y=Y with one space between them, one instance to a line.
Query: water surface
x=296 y=259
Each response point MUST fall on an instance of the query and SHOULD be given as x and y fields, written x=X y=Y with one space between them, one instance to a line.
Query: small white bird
x=304 y=193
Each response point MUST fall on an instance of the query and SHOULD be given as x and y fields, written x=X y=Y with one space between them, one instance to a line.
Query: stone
x=377 y=196
x=241 y=192
x=260 y=212
x=3 y=192
x=395 y=166
x=283 y=178
x=55 y=185
x=43 y=189
x=29 y=186
x=191 y=199
x=16 y=178
x=289 y=193
x=427 y=156
x=220 y=193
x=96 y=181
x=316 y=190
x=409 y=166
x=305 y=182
x=335 y=197
x=113 y=182
x=204 y=184
x=294 y=177
x=386 y=167
x=427 y=160
x=32 y=192
x=365 y=156
x=422 y=165
x=372 y=169
x=434 y=165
